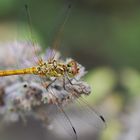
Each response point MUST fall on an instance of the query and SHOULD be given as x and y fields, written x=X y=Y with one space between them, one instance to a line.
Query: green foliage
x=103 y=81
x=6 y=6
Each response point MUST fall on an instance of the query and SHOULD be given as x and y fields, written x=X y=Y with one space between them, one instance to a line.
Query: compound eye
x=68 y=65
x=72 y=63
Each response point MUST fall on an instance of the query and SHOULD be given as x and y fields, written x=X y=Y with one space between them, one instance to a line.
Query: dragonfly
x=62 y=75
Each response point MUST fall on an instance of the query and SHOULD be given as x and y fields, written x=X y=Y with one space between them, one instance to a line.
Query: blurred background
x=102 y=35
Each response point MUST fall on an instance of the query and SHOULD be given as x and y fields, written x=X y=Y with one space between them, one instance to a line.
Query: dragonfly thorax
x=51 y=69
x=55 y=68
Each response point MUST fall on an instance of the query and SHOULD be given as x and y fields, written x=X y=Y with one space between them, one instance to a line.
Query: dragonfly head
x=72 y=68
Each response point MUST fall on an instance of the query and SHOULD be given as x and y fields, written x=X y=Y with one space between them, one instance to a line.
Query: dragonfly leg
x=50 y=83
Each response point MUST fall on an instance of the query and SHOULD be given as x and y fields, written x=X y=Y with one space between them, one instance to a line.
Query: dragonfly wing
x=25 y=55
x=77 y=114
x=51 y=55
x=90 y=116
x=61 y=124
x=84 y=120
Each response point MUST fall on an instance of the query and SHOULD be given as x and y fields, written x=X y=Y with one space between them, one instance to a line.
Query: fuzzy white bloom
x=22 y=96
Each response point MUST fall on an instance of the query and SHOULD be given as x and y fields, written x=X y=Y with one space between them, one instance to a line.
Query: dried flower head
x=22 y=96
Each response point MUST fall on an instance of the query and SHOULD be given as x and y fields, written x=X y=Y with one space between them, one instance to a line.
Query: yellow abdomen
x=31 y=70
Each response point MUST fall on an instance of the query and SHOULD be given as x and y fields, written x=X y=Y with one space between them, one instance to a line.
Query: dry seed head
x=27 y=95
